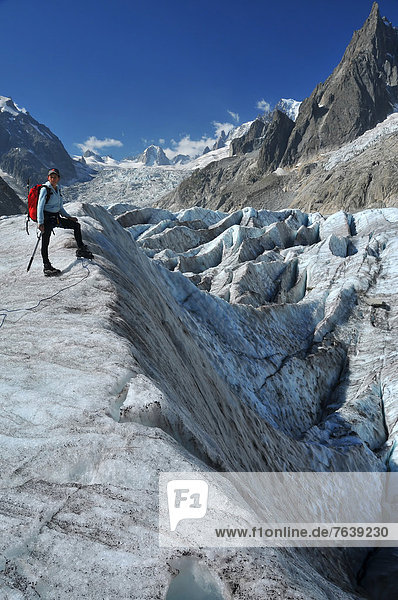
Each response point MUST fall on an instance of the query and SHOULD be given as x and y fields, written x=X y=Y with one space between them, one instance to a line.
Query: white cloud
x=161 y=141
x=94 y=144
x=219 y=127
x=263 y=105
x=190 y=147
x=194 y=148
x=235 y=116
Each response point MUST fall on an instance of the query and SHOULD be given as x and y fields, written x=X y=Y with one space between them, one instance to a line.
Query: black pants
x=52 y=220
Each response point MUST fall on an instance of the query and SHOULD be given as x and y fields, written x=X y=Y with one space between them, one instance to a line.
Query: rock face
x=360 y=93
x=222 y=184
x=288 y=164
x=275 y=143
x=288 y=363
x=270 y=133
x=10 y=202
x=220 y=143
x=360 y=174
x=252 y=140
x=29 y=148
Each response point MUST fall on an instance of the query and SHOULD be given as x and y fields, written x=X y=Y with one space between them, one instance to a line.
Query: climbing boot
x=84 y=252
x=50 y=271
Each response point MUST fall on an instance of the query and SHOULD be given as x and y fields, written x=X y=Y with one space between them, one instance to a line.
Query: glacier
x=165 y=353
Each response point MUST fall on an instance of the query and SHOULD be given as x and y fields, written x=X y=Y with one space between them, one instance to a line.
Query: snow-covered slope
x=122 y=369
x=289 y=106
x=7 y=105
x=370 y=138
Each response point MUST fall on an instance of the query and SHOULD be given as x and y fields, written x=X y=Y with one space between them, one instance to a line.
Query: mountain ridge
x=360 y=92
x=279 y=159
x=286 y=168
x=28 y=148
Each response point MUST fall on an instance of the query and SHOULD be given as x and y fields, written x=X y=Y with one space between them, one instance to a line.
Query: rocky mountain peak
x=360 y=93
x=220 y=143
x=373 y=28
x=154 y=155
x=28 y=148
x=348 y=116
x=90 y=153
x=377 y=39
x=181 y=159
x=252 y=139
x=8 y=106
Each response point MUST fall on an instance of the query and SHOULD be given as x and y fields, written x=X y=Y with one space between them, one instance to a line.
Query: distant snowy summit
x=289 y=107
x=155 y=156
x=8 y=106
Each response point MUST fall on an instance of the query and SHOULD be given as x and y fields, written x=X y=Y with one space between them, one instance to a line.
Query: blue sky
x=128 y=73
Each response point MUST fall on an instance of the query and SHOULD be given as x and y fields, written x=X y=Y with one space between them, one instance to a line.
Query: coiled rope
x=4 y=312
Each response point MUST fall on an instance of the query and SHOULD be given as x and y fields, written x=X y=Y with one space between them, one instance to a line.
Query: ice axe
x=34 y=252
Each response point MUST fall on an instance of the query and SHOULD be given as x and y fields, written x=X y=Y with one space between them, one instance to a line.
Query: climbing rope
x=4 y=312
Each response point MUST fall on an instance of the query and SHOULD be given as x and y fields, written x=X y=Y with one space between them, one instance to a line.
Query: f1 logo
x=187 y=499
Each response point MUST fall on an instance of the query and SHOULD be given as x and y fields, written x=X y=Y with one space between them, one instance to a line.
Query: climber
x=50 y=214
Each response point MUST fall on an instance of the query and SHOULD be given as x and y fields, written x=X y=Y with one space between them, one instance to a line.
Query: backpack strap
x=48 y=193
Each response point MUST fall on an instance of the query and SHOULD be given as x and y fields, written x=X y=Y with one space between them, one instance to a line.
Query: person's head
x=53 y=176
